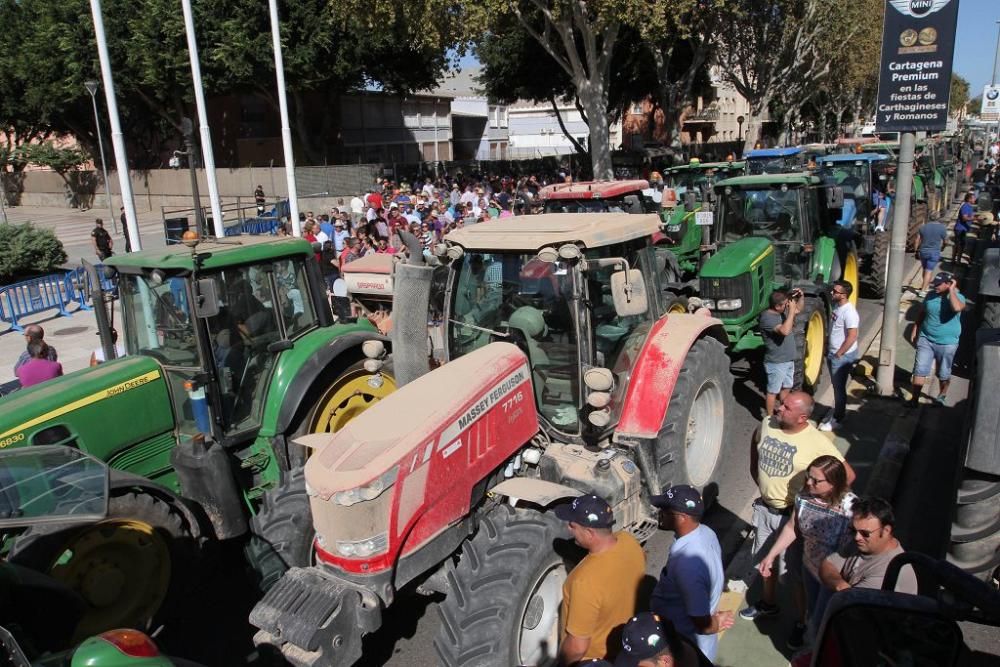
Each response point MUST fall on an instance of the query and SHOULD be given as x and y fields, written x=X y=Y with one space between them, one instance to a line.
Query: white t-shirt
x=843 y=318
x=357 y=205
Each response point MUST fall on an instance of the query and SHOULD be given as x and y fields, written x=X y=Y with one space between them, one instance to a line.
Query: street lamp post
x=91 y=86
x=739 y=127
x=187 y=129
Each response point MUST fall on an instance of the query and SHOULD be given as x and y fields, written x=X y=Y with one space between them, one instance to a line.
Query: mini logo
x=992 y=93
x=918 y=8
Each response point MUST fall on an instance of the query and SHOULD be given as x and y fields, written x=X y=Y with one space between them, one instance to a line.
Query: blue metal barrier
x=54 y=291
x=262 y=225
x=82 y=286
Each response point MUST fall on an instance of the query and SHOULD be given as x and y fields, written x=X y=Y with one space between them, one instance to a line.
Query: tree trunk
x=594 y=98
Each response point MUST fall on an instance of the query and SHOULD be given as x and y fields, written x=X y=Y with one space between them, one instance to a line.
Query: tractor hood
x=734 y=259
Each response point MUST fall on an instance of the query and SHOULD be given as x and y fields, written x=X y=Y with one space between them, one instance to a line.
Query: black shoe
x=759 y=610
x=797 y=639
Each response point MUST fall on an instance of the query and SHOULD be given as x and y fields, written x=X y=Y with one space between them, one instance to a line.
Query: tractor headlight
x=728 y=304
x=708 y=303
x=369 y=491
x=363 y=548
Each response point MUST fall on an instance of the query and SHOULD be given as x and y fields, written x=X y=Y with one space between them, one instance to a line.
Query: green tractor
x=231 y=352
x=858 y=175
x=692 y=184
x=775 y=231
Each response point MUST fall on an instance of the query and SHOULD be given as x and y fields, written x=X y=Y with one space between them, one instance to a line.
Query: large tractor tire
x=991 y=315
x=918 y=217
x=282 y=531
x=133 y=569
x=880 y=264
x=695 y=428
x=810 y=343
x=504 y=594
x=848 y=270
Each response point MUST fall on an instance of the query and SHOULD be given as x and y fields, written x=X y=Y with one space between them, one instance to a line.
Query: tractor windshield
x=769 y=213
x=158 y=321
x=520 y=299
x=584 y=206
x=688 y=181
x=853 y=177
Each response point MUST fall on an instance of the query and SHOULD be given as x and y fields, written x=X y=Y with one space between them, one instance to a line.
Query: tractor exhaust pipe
x=411 y=301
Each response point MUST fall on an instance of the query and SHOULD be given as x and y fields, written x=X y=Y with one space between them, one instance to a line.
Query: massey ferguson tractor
x=563 y=376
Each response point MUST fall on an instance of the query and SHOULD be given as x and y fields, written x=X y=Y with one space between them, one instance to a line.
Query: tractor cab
x=551 y=290
x=215 y=317
x=630 y=196
x=775 y=160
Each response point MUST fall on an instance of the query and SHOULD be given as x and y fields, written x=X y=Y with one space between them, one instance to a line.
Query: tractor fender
x=120 y=480
x=538 y=491
x=656 y=369
x=826 y=255
x=296 y=374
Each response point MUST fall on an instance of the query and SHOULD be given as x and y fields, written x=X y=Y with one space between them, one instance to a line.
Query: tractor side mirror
x=207 y=300
x=835 y=197
x=690 y=201
x=628 y=290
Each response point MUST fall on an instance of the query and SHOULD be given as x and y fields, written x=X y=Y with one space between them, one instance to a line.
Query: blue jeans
x=840 y=373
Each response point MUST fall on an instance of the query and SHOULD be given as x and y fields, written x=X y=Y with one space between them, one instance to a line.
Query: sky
x=976 y=42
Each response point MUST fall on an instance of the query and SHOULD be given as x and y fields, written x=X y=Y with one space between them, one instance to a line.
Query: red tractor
x=563 y=376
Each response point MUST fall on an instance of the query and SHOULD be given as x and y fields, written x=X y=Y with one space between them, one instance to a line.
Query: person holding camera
x=777 y=324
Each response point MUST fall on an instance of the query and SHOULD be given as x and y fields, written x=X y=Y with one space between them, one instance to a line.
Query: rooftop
x=853 y=157
x=233 y=250
x=460 y=83
x=773 y=152
x=766 y=180
x=592 y=189
x=593 y=230
x=738 y=165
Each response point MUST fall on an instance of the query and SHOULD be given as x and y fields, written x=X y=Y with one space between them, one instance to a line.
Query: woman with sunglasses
x=822 y=519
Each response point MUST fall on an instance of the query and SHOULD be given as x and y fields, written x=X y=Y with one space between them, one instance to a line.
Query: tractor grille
x=729 y=288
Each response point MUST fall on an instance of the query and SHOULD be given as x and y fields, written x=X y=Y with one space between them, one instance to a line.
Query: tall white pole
x=104 y=162
x=117 y=138
x=286 y=129
x=206 y=135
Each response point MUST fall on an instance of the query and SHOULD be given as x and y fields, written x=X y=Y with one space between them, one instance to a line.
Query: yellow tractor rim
x=851 y=276
x=815 y=340
x=121 y=567
x=677 y=307
x=351 y=394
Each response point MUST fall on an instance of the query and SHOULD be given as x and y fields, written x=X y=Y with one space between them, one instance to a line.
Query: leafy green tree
x=28 y=249
x=959 y=95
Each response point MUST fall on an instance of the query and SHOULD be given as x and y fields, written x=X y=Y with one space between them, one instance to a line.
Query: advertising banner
x=918 y=41
x=990 y=110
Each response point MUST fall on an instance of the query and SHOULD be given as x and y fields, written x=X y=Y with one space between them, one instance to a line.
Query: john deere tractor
x=770 y=232
x=692 y=183
x=231 y=351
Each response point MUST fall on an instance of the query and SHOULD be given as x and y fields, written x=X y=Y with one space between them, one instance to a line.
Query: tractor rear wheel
x=694 y=431
x=991 y=315
x=504 y=594
x=131 y=569
x=918 y=216
x=880 y=264
x=810 y=343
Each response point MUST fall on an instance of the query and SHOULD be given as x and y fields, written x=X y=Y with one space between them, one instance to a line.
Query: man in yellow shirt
x=781 y=450
x=599 y=595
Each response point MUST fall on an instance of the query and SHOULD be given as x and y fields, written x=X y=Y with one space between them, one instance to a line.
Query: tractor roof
x=853 y=157
x=767 y=180
x=592 y=189
x=593 y=230
x=737 y=165
x=773 y=152
x=215 y=254
x=377 y=263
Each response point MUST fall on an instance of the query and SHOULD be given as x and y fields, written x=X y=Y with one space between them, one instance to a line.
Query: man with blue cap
x=690 y=585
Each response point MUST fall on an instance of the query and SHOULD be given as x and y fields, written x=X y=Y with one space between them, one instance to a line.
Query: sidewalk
x=870 y=421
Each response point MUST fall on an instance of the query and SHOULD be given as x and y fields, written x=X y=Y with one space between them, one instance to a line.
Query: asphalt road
x=214 y=630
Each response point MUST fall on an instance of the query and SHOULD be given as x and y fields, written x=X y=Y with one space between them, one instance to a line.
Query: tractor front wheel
x=504 y=593
x=282 y=532
x=131 y=569
x=694 y=431
x=880 y=264
x=810 y=343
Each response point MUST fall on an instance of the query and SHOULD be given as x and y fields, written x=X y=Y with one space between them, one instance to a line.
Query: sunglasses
x=815 y=480
x=865 y=533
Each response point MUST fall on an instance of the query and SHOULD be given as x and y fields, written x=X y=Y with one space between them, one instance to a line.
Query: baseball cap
x=681 y=498
x=642 y=638
x=590 y=511
x=942 y=278
x=595 y=662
